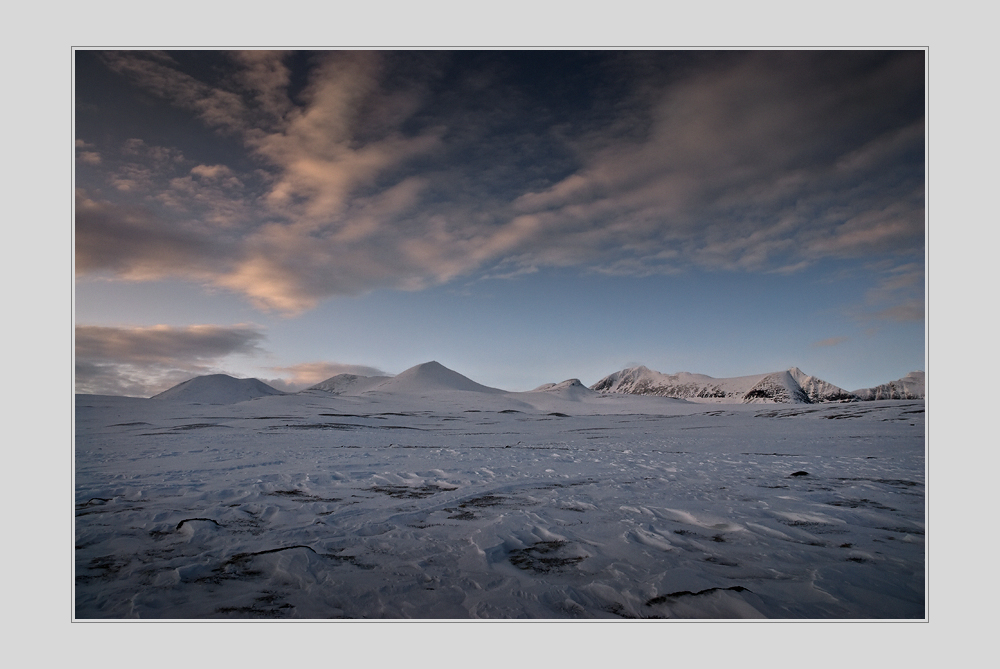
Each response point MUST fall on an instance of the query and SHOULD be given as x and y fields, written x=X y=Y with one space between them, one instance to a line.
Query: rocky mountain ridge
x=792 y=386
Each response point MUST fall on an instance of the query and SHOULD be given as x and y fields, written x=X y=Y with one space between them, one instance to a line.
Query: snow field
x=315 y=506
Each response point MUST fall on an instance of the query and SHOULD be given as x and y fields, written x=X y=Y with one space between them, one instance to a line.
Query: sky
x=522 y=217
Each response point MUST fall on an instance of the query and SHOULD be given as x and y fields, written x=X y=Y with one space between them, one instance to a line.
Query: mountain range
x=791 y=386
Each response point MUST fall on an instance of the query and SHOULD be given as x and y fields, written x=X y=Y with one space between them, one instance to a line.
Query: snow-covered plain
x=434 y=499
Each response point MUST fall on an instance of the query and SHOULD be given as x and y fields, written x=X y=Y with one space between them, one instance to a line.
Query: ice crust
x=434 y=499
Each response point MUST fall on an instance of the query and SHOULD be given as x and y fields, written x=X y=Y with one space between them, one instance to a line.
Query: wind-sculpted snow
x=468 y=504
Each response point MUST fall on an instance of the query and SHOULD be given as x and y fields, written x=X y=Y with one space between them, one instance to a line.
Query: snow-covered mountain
x=430 y=376
x=792 y=386
x=819 y=390
x=217 y=389
x=349 y=384
x=910 y=387
x=570 y=389
x=419 y=379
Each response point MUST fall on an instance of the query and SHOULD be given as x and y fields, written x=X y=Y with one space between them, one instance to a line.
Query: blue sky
x=521 y=217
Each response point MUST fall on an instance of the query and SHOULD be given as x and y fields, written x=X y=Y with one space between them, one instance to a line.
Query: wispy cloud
x=897 y=295
x=142 y=361
x=405 y=171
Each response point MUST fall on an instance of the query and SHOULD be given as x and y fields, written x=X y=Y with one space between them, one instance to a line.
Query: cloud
x=158 y=73
x=764 y=160
x=211 y=172
x=135 y=243
x=897 y=295
x=301 y=376
x=143 y=361
x=378 y=170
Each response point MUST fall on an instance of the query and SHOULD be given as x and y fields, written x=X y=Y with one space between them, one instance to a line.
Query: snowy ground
x=461 y=505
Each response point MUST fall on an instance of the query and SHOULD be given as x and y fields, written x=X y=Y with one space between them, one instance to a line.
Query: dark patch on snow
x=904 y=530
x=318 y=426
x=861 y=503
x=106 y=566
x=894 y=482
x=352 y=415
x=255 y=611
x=483 y=501
x=238 y=566
x=304 y=496
x=188 y=520
x=94 y=501
x=406 y=492
x=543 y=557
x=662 y=599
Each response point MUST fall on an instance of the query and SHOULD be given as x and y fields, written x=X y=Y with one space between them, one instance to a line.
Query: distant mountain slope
x=349 y=384
x=789 y=387
x=910 y=387
x=430 y=376
x=570 y=389
x=644 y=381
x=819 y=390
x=217 y=389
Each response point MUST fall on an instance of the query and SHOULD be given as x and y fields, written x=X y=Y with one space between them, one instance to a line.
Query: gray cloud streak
x=142 y=361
